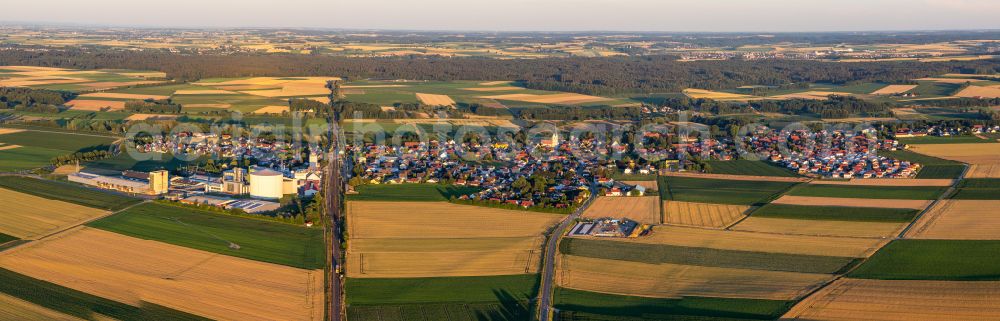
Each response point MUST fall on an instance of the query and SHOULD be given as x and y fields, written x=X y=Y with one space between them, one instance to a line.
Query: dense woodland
x=598 y=76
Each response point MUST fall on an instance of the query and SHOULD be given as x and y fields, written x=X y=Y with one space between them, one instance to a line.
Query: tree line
x=595 y=76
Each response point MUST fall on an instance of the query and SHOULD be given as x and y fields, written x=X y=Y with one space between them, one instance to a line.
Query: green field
x=495 y=297
x=67 y=192
x=472 y=289
x=873 y=192
x=436 y=312
x=38 y=148
x=930 y=88
x=80 y=304
x=933 y=260
x=943 y=140
x=590 y=306
x=978 y=189
x=700 y=256
x=409 y=192
x=258 y=240
x=126 y=162
x=836 y=213
x=4 y=238
x=933 y=167
x=748 y=167
x=719 y=191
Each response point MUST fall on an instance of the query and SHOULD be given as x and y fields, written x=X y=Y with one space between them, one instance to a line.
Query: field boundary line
x=865 y=259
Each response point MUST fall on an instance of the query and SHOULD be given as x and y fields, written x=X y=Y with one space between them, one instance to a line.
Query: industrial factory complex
x=253 y=189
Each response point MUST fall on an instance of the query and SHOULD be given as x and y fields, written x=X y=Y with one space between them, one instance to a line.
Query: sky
x=520 y=15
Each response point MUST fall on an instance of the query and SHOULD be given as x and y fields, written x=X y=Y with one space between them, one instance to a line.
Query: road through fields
x=548 y=270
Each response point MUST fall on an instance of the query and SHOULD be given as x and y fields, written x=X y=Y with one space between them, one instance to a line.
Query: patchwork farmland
x=151 y=261
x=433 y=248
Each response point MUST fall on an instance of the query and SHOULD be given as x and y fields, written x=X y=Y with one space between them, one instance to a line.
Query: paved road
x=333 y=195
x=551 y=247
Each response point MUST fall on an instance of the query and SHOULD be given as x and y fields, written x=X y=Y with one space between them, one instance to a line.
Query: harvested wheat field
x=205 y=92
x=702 y=214
x=442 y=220
x=494 y=83
x=7 y=147
x=487 y=89
x=12 y=308
x=889 y=182
x=393 y=257
x=124 y=96
x=979 y=92
x=894 y=89
x=643 y=209
x=902 y=300
x=716 y=95
x=131 y=270
x=563 y=98
x=673 y=280
x=435 y=100
x=95 y=105
x=27 y=216
x=819 y=228
x=150 y=117
x=4 y=131
x=814 y=95
x=651 y=186
x=948 y=80
x=959 y=220
x=739 y=177
x=39 y=81
x=272 y=110
x=760 y=242
x=224 y=106
x=851 y=202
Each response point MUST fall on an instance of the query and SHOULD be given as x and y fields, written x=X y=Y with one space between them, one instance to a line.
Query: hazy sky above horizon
x=520 y=15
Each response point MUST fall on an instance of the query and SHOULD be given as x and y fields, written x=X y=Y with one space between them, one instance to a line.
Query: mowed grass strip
x=748 y=167
x=475 y=289
x=836 y=213
x=663 y=253
x=719 y=191
x=585 y=305
x=67 y=192
x=978 y=189
x=948 y=260
x=409 y=192
x=871 y=192
x=80 y=304
x=258 y=240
